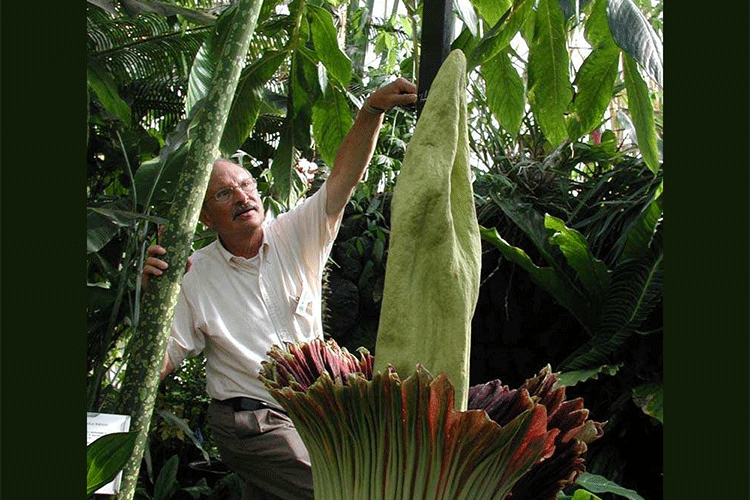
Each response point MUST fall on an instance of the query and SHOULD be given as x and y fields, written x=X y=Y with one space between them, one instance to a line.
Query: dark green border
x=42 y=249
x=707 y=250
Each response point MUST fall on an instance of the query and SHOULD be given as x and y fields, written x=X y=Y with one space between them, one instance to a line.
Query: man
x=258 y=285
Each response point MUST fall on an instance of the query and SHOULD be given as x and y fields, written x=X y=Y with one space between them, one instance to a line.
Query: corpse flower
x=373 y=436
x=545 y=478
x=392 y=430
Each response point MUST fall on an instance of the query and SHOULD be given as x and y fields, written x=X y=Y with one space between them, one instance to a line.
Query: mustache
x=241 y=209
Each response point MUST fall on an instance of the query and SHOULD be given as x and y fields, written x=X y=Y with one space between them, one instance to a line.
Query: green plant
x=566 y=102
x=566 y=225
x=610 y=304
x=105 y=458
x=598 y=484
x=168 y=485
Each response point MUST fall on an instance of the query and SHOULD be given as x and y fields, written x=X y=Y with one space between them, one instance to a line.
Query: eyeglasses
x=224 y=195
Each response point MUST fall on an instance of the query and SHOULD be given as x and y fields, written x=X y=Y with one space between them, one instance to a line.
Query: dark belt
x=247 y=404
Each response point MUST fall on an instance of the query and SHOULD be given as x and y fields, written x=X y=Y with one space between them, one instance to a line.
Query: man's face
x=241 y=213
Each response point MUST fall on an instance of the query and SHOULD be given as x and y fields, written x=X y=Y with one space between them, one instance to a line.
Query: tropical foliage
x=565 y=107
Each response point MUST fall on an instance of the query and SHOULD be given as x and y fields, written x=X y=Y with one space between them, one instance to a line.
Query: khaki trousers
x=265 y=450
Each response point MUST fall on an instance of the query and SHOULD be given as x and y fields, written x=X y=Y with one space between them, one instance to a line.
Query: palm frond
x=636 y=289
x=262 y=143
x=157 y=103
x=189 y=13
x=143 y=47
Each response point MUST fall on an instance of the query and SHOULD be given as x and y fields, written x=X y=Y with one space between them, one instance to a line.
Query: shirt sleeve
x=185 y=340
x=310 y=226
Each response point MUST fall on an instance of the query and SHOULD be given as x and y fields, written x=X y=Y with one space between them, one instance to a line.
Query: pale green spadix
x=434 y=257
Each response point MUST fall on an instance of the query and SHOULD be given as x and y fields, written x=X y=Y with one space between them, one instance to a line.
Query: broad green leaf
x=567 y=292
x=633 y=33
x=283 y=163
x=302 y=132
x=641 y=232
x=503 y=31
x=248 y=100
x=466 y=13
x=641 y=112
x=491 y=10
x=326 y=44
x=597 y=26
x=528 y=28
x=103 y=223
x=204 y=65
x=156 y=179
x=99 y=296
x=273 y=104
x=592 y=272
x=598 y=484
x=166 y=484
x=105 y=88
x=553 y=281
x=182 y=425
x=297 y=123
x=122 y=218
x=569 y=379
x=105 y=457
x=530 y=222
x=200 y=490
x=584 y=495
x=322 y=77
x=572 y=7
x=283 y=167
x=331 y=120
x=465 y=41
x=505 y=92
x=201 y=72
x=550 y=91
x=304 y=90
x=649 y=397
x=304 y=78
x=636 y=288
x=99 y=231
x=595 y=82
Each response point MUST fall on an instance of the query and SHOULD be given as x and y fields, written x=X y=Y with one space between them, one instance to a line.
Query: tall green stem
x=149 y=342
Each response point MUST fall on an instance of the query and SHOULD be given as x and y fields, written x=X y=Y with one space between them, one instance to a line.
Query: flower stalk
x=435 y=252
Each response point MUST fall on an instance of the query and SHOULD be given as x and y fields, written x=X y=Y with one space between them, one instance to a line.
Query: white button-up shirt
x=234 y=309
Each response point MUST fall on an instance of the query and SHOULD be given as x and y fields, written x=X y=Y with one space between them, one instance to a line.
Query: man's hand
x=155 y=266
x=400 y=92
x=355 y=151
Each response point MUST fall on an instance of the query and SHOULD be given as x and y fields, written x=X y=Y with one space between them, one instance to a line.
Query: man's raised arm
x=357 y=148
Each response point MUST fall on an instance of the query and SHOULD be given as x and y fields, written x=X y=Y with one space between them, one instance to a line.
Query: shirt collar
x=232 y=259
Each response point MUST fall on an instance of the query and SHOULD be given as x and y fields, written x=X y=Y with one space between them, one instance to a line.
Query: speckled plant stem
x=149 y=342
